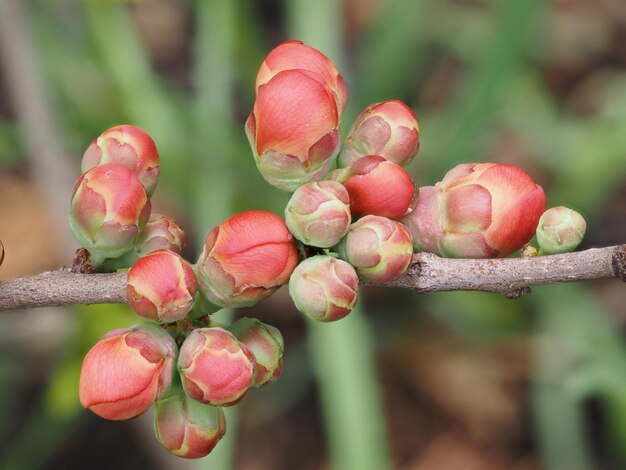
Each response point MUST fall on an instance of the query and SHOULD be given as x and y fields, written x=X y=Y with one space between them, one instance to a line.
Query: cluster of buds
x=181 y=362
x=360 y=221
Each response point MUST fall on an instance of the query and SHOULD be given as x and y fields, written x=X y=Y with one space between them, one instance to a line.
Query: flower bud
x=186 y=427
x=378 y=187
x=318 y=213
x=160 y=233
x=560 y=230
x=126 y=371
x=130 y=146
x=245 y=259
x=293 y=129
x=109 y=207
x=479 y=210
x=389 y=129
x=161 y=286
x=266 y=344
x=324 y=288
x=215 y=368
x=379 y=248
x=294 y=55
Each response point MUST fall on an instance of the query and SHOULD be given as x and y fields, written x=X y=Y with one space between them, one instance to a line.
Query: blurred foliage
x=538 y=84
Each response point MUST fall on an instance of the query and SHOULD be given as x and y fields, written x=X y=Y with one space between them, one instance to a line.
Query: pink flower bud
x=318 y=213
x=161 y=286
x=215 y=368
x=389 y=129
x=245 y=259
x=560 y=230
x=130 y=146
x=294 y=55
x=324 y=288
x=479 y=210
x=266 y=344
x=126 y=371
x=109 y=207
x=379 y=248
x=186 y=427
x=160 y=233
x=293 y=129
x=378 y=187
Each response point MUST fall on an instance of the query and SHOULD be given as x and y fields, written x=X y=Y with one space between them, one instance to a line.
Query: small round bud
x=389 y=129
x=379 y=248
x=324 y=288
x=130 y=146
x=161 y=286
x=215 y=368
x=126 y=371
x=109 y=207
x=186 y=427
x=245 y=259
x=379 y=187
x=560 y=230
x=266 y=343
x=160 y=233
x=318 y=214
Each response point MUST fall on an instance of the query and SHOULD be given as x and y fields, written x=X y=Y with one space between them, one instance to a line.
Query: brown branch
x=511 y=277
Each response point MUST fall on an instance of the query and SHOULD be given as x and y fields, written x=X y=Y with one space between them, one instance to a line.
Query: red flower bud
x=161 y=286
x=379 y=248
x=130 y=146
x=378 y=187
x=324 y=288
x=560 y=230
x=479 y=210
x=294 y=55
x=389 y=129
x=126 y=371
x=109 y=207
x=245 y=259
x=186 y=427
x=266 y=344
x=293 y=129
x=318 y=213
x=215 y=368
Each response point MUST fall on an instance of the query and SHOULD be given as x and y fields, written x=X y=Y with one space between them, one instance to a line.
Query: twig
x=511 y=277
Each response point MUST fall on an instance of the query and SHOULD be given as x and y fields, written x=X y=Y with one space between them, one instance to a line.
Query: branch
x=511 y=277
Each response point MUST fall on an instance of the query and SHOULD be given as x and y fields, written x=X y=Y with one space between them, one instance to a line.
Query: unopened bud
x=378 y=187
x=130 y=146
x=266 y=343
x=215 y=367
x=560 y=230
x=109 y=207
x=126 y=371
x=478 y=210
x=379 y=248
x=161 y=286
x=318 y=214
x=324 y=288
x=389 y=129
x=245 y=259
x=186 y=427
